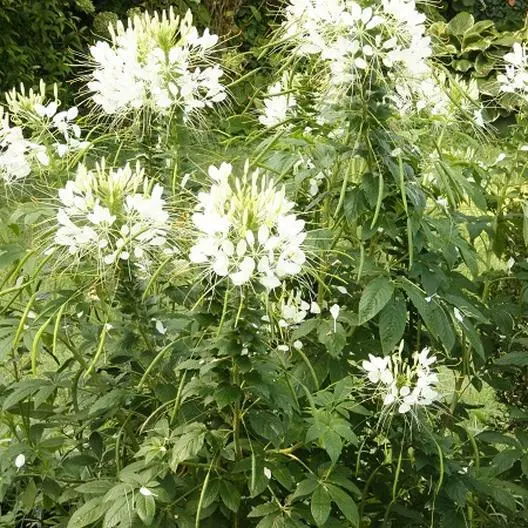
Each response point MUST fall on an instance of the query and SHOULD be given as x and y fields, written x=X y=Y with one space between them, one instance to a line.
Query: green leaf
x=460 y=24
x=374 y=297
x=305 y=328
x=188 y=444
x=500 y=493
x=145 y=508
x=109 y=402
x=345 y=503
x=23 y=389
x=524 y=465
x=334 y=341
x=462 y=65
x=493 y=437
x=226 y=394
x=305 y=487
x=119 y=513
x=474 y=338
x=10 y=253
x=87 y=514
x=230 y=495
x=517 y=359
x=504 y=460
x=392 y=321
x=28 y=496
x=258 y=482
x=95 y=487
x=264 y=509
x=320 y=505
x=433 y=316
x=267 y=425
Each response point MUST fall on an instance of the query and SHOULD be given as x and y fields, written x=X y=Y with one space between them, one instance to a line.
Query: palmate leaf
x=26 y=388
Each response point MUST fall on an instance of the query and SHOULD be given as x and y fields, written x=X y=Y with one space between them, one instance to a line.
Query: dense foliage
x=303 y=304
x=43 y=39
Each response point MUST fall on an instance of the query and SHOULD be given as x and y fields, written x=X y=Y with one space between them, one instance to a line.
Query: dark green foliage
x=45 y=39
x=39 y=39
x=507 y=14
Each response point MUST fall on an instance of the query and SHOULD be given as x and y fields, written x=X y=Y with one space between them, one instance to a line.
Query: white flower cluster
x=64 y=124
x=14 y=149
x=157 y=62
x=440 y=96
x=111 y=215
x=294 y=309
x=51 y=132
x=515 y=76
x=246 y=229
x=17 y=153
x=278 y=105
x=356 y=41
x=403 y=385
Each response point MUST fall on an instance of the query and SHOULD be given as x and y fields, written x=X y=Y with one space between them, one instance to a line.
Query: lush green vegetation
x=281 y=284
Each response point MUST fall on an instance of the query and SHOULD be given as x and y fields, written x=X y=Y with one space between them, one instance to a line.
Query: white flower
x=158 y=62
x=334 y=312
x=423 y=358
x=403 y=385
x=478 y=118
x=20 y=461
x=353 y=41
x=160 y=327
x=293 y=310
x=88 y=228
x=515 y=76
x=458 y=315
x=277 y=104
x=16 y=152
x=442 y=202
x=378 y=369
x=246 y=230
x=267 y=473
x=57 y=131
x=145 y=492
x=314 y=308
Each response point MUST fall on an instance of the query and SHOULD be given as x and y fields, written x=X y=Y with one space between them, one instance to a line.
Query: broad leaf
x=87 y=514
x=374 y=297
x=392 y=321
x=320 y=505
x=188 y=444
